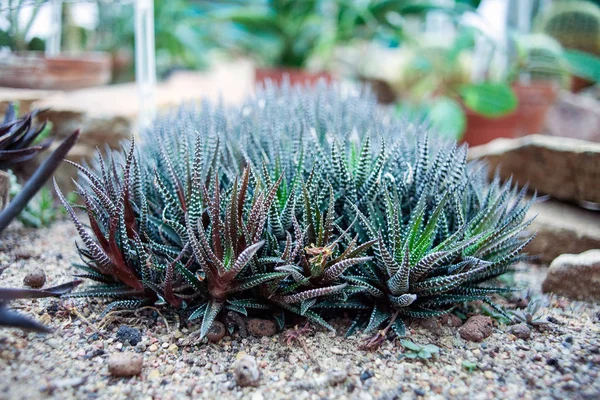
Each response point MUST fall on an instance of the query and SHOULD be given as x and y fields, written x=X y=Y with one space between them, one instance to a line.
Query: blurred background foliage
x=427 y=54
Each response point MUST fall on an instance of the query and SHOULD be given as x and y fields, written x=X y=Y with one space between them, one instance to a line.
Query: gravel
x=559 y=360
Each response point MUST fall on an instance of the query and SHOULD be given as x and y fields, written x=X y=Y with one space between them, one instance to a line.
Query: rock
x=216 y=332
x=35 y=279
x=125 y=364
x=261 y=327
x=431 y=324
x=562 y=228
x=153 y=348
x=246 y=371
x=576 y=276
x=173 y=348
x=450 y=320
x=476 y=328
x=568 y=169
x=578 y=115
x=522 y=331
x=127 y=334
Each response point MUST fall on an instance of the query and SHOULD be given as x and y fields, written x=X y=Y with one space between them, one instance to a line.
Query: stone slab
x=566 y=169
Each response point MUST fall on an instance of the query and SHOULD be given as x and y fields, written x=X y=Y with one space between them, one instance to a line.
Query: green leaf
x=583 y=65
x=489 y=99
x=410 y=345
x=431 y=348
x=424 y=354
x=469 y=366
x=447 y=117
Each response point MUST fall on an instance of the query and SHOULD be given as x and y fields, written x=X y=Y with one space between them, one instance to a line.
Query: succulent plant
x=304 y=201
x=530 y=315
x=17 y=144
x=17 y=137
x=424 y=352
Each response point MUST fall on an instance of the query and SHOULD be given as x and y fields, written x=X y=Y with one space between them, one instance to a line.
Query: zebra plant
x=302 y=201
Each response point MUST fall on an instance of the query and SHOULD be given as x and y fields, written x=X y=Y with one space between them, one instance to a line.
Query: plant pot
x=535 y=99
x=481 y=129
x=33 y=70
x=295 y=76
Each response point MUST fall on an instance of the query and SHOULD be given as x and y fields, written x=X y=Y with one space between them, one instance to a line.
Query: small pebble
x=127 y=334
x=125 y=364
x=246 y=371
x=35 y=279
x=173 y=349
x=522 y=331
x=261 y=327
x=476 y=328
x=216 y=332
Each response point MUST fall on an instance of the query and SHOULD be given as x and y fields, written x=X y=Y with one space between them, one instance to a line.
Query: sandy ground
x=558 y=362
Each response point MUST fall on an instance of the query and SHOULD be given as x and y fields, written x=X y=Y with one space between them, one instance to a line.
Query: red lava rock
x=476 y=328
x=125 y=364
x=216 y=332
x=450 y=320
x=522 y=331
x=431 y=324
x=261 y=327
x=35 y=279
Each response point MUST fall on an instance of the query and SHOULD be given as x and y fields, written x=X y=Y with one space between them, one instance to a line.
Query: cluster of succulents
x=301 y=201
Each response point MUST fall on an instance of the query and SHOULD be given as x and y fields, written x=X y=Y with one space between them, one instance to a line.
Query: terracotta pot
x=295 y=76
x=481 y=130
x=535 y=100
x=33 y=70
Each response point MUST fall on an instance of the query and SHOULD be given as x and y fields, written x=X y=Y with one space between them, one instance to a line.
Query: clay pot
x=295 y=76
x=481 y=130
x=33 y=70
x=535 y=99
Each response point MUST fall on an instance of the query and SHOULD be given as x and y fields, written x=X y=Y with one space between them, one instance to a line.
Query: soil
x=559 y=360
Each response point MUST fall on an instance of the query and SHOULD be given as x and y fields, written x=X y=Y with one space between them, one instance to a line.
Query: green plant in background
x=280 y=33
x=424 y=352
x=181 y=34
x=437 y=83
x=576 y=26
x=302 y=202
x=16 y=36
x=538 y=58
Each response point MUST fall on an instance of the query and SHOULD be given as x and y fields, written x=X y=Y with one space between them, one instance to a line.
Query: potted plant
x=575 y=25
x=538 y=72
x=26 y=66
x=436 y=80
x=281 y=35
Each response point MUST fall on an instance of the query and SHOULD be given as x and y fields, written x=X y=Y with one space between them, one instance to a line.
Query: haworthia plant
x=300 y=201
